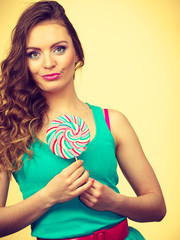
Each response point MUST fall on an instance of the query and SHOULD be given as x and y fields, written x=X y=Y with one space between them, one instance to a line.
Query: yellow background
x=132 y=50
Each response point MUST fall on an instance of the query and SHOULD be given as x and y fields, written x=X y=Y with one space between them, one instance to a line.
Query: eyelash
x=60 y=47
x=63 y=49
x=30 y=54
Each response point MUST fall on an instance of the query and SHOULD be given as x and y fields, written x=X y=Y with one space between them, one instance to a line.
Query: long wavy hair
x=22 y=105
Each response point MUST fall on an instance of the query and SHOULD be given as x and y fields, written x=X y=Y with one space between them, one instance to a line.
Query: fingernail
x=93 y=180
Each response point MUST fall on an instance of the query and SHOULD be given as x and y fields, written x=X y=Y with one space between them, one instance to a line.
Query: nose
x=48 y=61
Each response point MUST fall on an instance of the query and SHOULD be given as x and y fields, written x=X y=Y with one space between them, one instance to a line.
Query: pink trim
x=106 y=113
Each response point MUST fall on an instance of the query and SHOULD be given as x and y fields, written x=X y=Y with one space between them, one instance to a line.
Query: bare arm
x=70 y=183
x=18 y=216
x=149 y=204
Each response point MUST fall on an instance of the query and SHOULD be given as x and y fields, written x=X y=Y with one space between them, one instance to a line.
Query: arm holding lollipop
x=68 y=184
x=67 y=137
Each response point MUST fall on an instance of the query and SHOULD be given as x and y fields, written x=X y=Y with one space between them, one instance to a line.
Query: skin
x=54 y=55
x=74 y=180
x=149 y=204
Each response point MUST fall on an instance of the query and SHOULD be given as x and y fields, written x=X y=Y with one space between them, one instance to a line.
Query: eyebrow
x=55 y=44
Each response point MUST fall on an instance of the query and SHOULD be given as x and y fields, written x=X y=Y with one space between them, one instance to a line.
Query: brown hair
x=22 y=105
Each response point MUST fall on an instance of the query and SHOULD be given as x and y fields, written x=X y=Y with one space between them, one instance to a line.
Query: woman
x=65 y=199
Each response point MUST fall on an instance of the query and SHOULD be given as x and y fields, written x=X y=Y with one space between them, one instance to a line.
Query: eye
x=60 y=49
x=33 y=54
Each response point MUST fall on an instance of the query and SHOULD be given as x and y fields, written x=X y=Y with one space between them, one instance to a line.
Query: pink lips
x=52 y=76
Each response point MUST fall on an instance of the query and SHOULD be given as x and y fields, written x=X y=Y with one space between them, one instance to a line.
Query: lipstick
x=52 y=76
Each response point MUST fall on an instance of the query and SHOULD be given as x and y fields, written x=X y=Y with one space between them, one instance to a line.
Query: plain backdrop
x=132 y=57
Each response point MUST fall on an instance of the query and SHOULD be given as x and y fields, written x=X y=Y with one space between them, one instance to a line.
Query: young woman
x=65 y=199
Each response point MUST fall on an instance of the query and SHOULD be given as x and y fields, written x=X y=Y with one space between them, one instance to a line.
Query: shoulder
x=120 y=126
x=117 y=117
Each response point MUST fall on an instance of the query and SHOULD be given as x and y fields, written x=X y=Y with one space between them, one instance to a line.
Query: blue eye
x=33 y=54
x=60 y=49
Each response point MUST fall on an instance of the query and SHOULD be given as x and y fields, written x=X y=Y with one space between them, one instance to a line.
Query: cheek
x=69 y=60
x=32 y=67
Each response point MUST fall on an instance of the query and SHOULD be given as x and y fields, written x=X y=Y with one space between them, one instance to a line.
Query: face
x=51 y=56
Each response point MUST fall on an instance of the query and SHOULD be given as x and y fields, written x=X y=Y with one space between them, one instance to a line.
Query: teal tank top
x=73 y=218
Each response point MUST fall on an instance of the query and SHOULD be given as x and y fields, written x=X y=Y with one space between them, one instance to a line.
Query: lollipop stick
x=76 y=158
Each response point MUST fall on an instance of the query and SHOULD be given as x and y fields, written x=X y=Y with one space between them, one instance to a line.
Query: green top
x=73 y=218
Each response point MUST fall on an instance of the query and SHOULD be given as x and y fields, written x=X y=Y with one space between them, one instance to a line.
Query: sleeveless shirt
x=73 y=218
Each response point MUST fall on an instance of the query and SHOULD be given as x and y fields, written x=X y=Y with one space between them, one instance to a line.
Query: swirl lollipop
x=68 y=136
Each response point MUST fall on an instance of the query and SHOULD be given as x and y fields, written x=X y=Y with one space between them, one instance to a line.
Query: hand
x=70 y=183
x=99 y=197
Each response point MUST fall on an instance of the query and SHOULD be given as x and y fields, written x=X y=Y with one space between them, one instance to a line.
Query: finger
x=91 y=194
x=81 y=180
x=88 y=196
x=93 y=183
x=77 y=173
x=91 y=191
x=87 y=201
x=73 y=167
x=83 y=188
x=96 y=184
x=95 y=190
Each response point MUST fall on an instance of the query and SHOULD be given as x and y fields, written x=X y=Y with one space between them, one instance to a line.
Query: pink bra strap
x=106 y=113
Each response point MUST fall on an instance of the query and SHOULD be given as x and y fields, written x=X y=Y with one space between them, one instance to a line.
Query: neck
x=63 y=102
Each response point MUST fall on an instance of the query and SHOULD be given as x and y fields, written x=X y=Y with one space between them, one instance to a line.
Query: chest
x=88 y=118
x=99 y=159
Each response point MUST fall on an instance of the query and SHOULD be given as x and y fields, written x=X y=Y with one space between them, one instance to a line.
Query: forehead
x=47 y=32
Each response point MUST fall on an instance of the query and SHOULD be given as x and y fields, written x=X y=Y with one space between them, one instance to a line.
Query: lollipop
x=68 y=136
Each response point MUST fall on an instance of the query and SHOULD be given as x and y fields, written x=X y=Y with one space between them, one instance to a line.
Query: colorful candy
x=68 y=136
